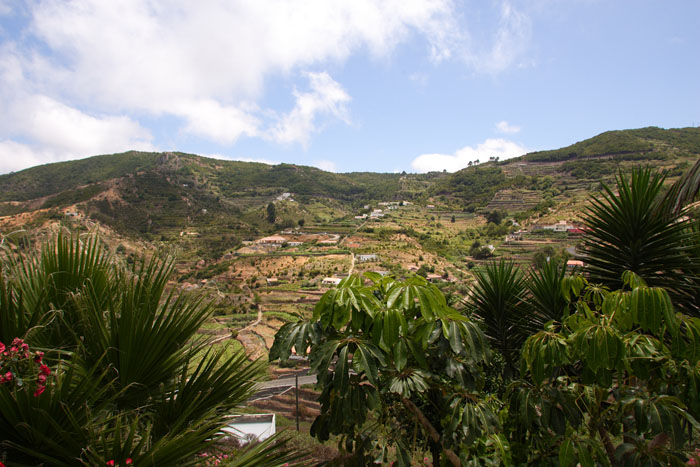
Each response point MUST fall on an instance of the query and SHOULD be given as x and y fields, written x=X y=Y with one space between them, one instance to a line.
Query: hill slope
x=169 y=196
x=214 y=204
x=546 y=178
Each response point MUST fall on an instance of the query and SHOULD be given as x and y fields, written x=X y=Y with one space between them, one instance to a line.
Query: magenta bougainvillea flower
x=19 y=364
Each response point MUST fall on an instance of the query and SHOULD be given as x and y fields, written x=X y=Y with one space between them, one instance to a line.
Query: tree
x=120 y=349
x=494 y=217
x=498 y=301
x=615 y=382
x=635 y=230
x=452 y=219
x=271 y=213
x=301 y=222
x=393 y=357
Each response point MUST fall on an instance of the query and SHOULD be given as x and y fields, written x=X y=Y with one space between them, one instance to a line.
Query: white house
x=364 y=258
x=331 y=280
x=273 y=239
x=253 y=427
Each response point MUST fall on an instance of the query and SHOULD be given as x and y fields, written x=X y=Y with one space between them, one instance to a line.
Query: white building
x=253 y=427
x=365 y=258
x=331 y=280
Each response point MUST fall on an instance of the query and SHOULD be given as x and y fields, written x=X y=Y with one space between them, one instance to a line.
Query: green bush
x=118 y=349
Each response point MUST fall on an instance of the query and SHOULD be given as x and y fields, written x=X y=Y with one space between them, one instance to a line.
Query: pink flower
x=41 y=378
x=128 y=461
x=2 y=347
x=39 y=390
x=44 y=370
x=8 y=376
x=110 y=463
x=38 y=357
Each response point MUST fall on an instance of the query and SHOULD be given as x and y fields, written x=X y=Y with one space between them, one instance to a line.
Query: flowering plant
x=128 y=461
x=694 y=458
x=20 y=367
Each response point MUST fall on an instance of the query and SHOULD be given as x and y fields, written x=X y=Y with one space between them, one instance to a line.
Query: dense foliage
x=397 y=368
x=103 y=363
x=594 y=369
x=626 y=142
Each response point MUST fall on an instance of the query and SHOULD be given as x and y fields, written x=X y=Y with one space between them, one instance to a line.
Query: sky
x=343 y=85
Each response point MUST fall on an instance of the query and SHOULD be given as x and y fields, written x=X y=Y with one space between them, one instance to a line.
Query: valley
x=264 y=243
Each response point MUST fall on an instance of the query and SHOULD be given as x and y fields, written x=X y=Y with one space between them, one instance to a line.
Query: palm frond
x=626 y=231
x=498 y=300
x=546 y=298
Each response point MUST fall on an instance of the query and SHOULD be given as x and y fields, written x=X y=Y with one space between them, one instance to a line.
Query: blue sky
x=344 y=85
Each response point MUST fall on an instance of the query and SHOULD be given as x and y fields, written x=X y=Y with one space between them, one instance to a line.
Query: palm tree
x=638 y=230
x=498 y=300
x=121 y=348
x=545 y=299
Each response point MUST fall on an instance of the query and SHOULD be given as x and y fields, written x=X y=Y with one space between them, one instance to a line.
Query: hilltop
x=208 y=205
x=170 y=196
x=542 y=180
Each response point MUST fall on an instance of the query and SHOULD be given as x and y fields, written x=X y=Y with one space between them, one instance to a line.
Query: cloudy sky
x=344 y=85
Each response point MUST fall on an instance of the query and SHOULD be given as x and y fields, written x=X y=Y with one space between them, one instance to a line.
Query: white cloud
x=161 y=52
x=326 y=97
x=505 y=127
x=223 y=124
x=110 y=64
x=508 y=45
x=64 y=129
x=54 y=132
x=500 y=148
x=328 y=166
x=16 y=156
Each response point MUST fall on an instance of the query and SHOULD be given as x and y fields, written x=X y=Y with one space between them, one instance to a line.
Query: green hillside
x=651 y=143
x=573 y=170
x=198 y=203
x=226 y=178
x=209 y=205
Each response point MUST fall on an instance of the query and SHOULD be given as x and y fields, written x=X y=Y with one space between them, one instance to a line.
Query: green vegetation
x=578 y=372
x=623 y=143
x=116 y=353
x=412 y=359
x=502 y=279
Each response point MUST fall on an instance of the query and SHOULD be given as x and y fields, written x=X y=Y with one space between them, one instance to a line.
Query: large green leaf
x=599 y=346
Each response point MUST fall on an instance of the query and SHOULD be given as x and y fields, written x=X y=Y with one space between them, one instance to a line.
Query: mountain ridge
x=165 y=195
